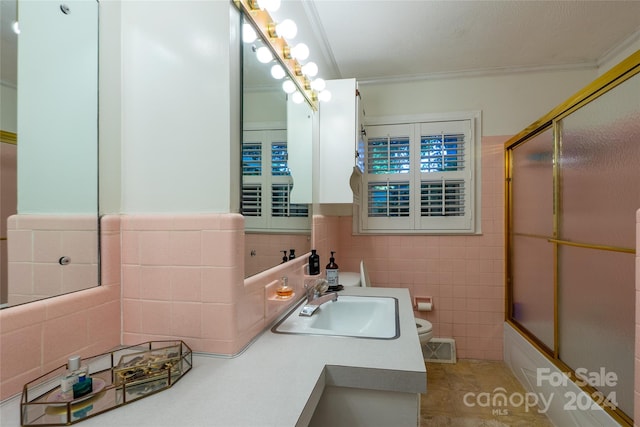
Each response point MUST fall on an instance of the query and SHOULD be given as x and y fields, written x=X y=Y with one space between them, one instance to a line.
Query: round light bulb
x=277 y=72
x=248 y=34
x=324 y=96
x=318 y=84
x=264 y=54
x=270 y=5
x=287 y=29
x=297 y=97
x=309 y=69
x=300 y=51
x=288 y=86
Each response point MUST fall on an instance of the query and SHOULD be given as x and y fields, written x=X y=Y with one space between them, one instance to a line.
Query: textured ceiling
x=399 y=39
x=413 y=39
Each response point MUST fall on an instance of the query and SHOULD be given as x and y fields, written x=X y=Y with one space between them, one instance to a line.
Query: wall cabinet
x=340 y=141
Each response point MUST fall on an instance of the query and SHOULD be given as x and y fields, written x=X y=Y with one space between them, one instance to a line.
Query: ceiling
x=384 y=40
x=387 y=40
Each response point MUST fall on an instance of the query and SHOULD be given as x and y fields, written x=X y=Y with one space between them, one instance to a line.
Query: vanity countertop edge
x=277 y=380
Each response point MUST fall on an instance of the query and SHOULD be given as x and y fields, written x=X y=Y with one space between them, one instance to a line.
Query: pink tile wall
x=38 y=337
x=182 y=278
x=263 y=251
x=463 y=274
x=37 y=242
x=325 y=238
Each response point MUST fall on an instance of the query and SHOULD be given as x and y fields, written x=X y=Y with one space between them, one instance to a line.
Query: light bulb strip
x=261 y=21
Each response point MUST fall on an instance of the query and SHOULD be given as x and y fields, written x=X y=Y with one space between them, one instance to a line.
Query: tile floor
x=449 y=383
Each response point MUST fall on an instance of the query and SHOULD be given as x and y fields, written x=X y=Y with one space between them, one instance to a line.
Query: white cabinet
x=300 y=150
x=340 y=133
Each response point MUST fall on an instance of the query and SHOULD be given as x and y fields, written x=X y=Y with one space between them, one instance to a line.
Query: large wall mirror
x=276 y=164
x=50 y=168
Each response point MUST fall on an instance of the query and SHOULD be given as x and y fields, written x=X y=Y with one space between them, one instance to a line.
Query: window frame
x=266 y=135
x=416 y=224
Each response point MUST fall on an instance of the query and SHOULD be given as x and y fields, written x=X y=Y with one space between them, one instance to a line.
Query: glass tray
x=119 y=377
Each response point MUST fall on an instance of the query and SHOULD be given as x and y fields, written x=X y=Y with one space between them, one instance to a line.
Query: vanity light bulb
x=248 y=34
x=324 y=96
x=297 y=97
x=15 y=27
x=269 y=5
x=309 y=69
x=300 y=51
x=264 y=55
x=288 y=86
x=318 y=85
x=287 y=29
x=277 y=72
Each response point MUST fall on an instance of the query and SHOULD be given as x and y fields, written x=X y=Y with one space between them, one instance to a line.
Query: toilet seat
x=424 y=330
x=424 y=326
x=348 y=278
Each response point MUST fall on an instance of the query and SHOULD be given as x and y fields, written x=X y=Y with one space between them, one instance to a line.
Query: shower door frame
x=552 y=121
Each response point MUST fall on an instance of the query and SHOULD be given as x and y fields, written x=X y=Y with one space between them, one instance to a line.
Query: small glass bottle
x=83 y=387
x=284 y=291
x=71 y=376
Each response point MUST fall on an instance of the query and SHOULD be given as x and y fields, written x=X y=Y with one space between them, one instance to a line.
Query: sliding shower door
x=573 y=189
x=532 y=225
x=599 y=166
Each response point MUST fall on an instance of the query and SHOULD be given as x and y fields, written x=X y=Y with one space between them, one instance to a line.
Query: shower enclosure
x=573 y=189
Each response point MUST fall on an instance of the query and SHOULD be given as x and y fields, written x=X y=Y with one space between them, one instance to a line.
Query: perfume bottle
x=83 y=387
x=284 y=291
x=71 y=376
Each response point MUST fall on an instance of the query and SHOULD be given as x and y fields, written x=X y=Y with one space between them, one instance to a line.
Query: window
x=265 y=195
x=420 y=176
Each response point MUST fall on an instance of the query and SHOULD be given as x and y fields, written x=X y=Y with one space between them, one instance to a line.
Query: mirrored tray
x=119 y=377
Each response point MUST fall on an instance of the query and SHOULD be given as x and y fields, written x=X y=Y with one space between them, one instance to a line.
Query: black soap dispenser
x=332 y=271
x=284 y=257
x=292 y=254
x=314 y=263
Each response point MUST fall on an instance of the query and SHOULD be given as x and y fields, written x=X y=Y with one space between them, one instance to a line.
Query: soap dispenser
x=292 y=254
x=314 y=263
x=284 y=257
x=332 y=271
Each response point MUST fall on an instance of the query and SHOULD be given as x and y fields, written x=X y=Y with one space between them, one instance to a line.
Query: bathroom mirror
x=271 y=128
x=52 y=106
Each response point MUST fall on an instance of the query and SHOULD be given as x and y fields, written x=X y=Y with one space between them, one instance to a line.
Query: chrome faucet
x=316 y=296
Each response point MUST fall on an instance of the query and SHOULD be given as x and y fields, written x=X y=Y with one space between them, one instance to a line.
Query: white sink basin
x=349 y=316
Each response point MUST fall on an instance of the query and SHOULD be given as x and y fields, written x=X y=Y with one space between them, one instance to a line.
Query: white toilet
x=348 y=278
x=425 y=330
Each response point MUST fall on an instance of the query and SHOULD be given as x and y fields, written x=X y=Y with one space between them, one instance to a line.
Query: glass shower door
x=599 y=196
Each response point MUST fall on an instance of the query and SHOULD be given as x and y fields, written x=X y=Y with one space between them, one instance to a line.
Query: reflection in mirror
x=52 y=229
x=273 y=222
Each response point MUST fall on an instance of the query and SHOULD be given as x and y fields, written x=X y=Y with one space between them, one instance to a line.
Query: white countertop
x=276 y=381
